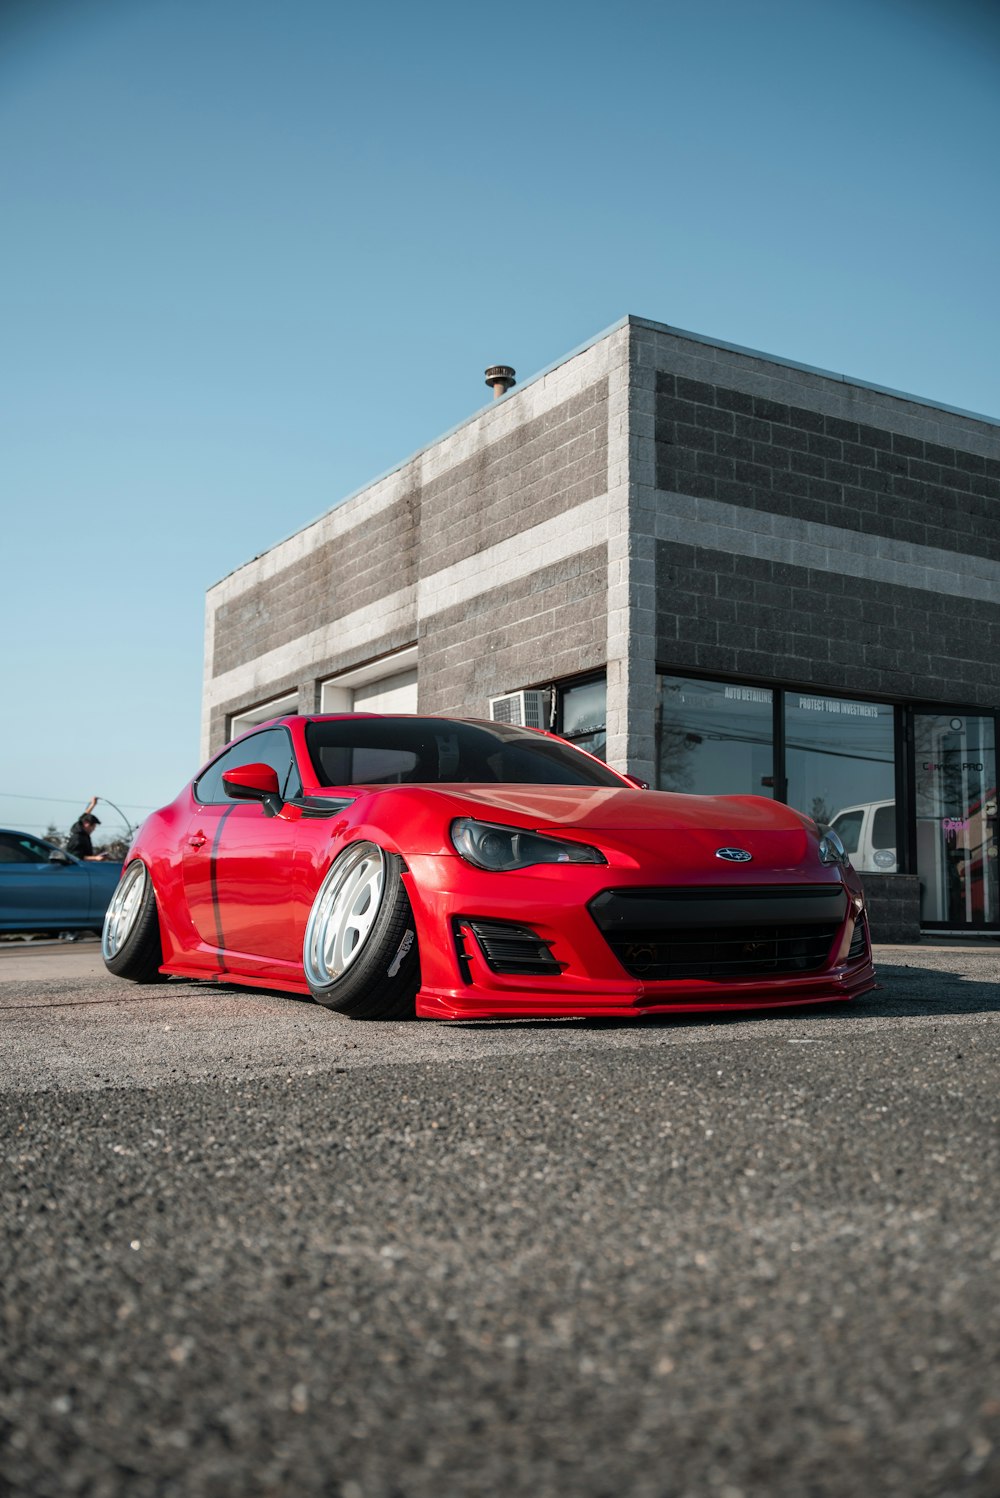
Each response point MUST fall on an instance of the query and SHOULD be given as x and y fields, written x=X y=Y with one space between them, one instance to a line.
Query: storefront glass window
x=956 y=794
x=714 y=738
x=583 y=713
x=835 y=760
x=840 y=769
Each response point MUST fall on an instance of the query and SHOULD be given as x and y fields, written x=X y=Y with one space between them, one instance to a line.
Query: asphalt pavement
x=251 y=1248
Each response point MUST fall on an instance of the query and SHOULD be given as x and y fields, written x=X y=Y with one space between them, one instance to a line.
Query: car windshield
x=429 y=751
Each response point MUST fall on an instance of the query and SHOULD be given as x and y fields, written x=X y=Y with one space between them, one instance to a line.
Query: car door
x=238 y=860
x=254 y=867
x=37 y=894
x=103 y=881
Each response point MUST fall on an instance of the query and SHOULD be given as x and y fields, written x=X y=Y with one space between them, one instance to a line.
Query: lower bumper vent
x=513 y=949
x=859 y=942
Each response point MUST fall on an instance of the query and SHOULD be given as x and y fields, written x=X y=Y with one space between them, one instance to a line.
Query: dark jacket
x=78 y=843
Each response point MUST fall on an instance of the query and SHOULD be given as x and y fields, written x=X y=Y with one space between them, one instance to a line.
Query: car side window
x=271 y=747
x=23 y=848
x=884 y=827
x=848 y=828
x=9 y=851
x=16 y=848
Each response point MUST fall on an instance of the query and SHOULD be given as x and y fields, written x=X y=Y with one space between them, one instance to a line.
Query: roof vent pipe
x=501 y=377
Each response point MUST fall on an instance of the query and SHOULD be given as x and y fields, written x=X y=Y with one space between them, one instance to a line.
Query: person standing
x=78 y=843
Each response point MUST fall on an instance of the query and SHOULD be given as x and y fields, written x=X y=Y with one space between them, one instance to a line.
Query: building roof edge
x=826 y=374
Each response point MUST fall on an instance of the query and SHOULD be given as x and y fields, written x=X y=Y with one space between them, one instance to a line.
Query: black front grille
x=663 y=934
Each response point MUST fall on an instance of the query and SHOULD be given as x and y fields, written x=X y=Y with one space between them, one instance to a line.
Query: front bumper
x=599 y=973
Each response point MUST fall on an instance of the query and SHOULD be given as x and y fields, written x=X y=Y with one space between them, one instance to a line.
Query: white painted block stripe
x=519 y=556
x=782 y=538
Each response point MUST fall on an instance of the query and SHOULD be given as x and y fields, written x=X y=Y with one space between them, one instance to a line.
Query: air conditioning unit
x=525 y=709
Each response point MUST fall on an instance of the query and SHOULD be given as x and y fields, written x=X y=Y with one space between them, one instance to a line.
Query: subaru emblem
x=734 y=855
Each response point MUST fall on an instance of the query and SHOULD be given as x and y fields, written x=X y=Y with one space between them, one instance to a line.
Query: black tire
x=130 y=939
x=360 y=952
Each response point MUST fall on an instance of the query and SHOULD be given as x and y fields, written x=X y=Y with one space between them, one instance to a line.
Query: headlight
x=832 y=850
x=499 y=848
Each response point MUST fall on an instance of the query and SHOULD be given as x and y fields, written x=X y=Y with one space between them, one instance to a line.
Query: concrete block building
x=720 y=570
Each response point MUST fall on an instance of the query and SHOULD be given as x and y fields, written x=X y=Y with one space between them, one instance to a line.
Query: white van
x=868 y=833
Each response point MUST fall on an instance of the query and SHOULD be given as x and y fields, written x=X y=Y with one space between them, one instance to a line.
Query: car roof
x=865 y=806
x=287 y=719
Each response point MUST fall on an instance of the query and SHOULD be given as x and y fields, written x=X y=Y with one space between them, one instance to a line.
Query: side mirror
x=58 y=856
x=251 y=782
x=640 y=785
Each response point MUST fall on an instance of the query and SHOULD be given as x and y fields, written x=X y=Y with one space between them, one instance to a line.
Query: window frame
x=344 y=685
x=248 y=718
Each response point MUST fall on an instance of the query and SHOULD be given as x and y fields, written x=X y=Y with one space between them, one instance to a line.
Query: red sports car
x=459 y=869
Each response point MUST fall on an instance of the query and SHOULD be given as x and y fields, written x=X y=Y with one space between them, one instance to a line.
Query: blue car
x=44 y=889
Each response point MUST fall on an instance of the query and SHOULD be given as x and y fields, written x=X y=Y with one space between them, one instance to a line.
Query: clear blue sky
x=255 y=253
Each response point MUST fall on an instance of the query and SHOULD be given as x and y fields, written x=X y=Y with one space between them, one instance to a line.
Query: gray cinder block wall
x=816 y=531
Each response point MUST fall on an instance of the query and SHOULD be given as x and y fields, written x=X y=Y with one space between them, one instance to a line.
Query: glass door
x=956 y=808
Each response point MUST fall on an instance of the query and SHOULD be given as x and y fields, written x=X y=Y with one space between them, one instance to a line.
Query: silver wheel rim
x=123 y=912
x=343 y=914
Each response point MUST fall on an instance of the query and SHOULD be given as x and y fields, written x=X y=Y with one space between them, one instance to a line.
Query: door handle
x=197 y=839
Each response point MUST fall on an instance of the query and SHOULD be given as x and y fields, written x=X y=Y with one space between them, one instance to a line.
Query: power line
x=23 y=826
x=68 y=801
x=43 y=827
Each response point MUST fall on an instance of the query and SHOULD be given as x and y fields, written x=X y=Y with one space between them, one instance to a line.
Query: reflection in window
x=363 y=764
x=433 y=751
x=848 y=827
x=272 y=747
x=583 y=713
x=956 y=805
x=840 y=769
x=714 y=738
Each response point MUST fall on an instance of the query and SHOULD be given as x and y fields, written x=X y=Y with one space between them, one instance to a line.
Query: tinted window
x=884 y=827
x=429 y=751
x=18 y=847
x=272 y=747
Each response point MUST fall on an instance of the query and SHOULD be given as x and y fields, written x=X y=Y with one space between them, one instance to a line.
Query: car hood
x=642 y=827
x=607 y=809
